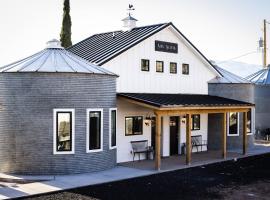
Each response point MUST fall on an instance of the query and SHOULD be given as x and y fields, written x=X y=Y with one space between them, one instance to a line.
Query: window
x=145 y=65
x=134 y=125
x=233 y=124
x=112 y=128
x=185 y=69
x=63 y=131
x=249 y=122
x=196 y=122
x=173 y=68
x=159 y=66
x=94 y=140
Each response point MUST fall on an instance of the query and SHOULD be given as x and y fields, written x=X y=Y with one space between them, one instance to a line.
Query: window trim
x=188 y=68
x=251 y=122
x=228 y=125
x=148 y=65
x=162 y=66
x=110 y=131
x=126 y=125
x=88 y=110
x=72 y=111
x=176 y=67
x=192 y=126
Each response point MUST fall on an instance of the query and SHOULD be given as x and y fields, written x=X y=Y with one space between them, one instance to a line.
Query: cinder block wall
x=241 y=92
x=27 y=101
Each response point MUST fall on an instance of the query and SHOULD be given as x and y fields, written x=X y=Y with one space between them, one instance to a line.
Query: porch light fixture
x=147 y=120
x=183 y=119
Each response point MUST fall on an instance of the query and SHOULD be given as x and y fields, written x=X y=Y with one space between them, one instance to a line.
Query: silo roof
x=228 y=77
x=55 y=58
x=261 y=77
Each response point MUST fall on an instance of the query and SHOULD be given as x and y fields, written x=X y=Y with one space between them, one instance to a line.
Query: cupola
x=129 y=21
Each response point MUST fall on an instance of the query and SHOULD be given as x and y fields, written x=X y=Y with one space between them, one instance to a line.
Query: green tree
x=65 y=35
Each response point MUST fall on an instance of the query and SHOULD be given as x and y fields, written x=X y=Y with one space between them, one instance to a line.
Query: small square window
x=185 y=69
x=145 y=65
x=173 y=68
x=159 y=66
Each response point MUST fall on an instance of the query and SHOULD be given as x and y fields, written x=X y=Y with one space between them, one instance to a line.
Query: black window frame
x=193 y=122
x=100 y=131
x=171 y=72
x=111 y=122
x=142 y=61
x=158 y=61
x=71 y=131
x=133 y=133
x=183 y=72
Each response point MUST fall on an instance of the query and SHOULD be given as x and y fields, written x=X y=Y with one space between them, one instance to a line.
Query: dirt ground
x=247 y=178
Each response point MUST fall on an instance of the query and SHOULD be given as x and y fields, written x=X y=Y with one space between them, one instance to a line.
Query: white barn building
x=161 y=75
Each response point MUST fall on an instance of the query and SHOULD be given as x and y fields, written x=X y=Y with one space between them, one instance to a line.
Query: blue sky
x=221 y=29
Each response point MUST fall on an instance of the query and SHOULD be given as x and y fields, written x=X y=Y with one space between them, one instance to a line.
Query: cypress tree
x=65 y=35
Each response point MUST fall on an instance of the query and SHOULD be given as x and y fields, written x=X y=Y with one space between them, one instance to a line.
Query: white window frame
x=251 y=121
x=228 y=125
x=88 y=133
x=72 y=110
x=110 y=124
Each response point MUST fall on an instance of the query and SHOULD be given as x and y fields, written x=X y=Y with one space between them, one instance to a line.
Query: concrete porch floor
x=179 y=161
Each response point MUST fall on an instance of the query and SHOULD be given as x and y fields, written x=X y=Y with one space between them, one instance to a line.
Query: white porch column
x=166 y=136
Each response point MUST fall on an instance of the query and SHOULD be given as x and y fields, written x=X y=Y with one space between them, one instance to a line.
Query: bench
x=139 y=147
x=196 y=141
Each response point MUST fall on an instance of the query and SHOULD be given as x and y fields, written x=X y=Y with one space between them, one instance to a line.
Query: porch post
x=188 y=139
x=224 y=137
x=244 y=133
x=158 y=142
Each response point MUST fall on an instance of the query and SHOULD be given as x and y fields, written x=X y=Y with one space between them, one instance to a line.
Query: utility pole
x=264 y=44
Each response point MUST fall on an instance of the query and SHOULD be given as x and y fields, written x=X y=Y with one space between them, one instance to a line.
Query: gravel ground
x=247 y=178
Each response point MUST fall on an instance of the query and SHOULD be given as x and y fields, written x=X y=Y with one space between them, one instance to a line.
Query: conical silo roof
x=261 y=77
x=55 y=58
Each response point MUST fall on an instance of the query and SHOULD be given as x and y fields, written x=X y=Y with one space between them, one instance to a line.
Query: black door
x=174 y=126
x=153 y=132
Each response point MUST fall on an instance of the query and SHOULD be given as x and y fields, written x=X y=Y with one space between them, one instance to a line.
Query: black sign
x=166 y=46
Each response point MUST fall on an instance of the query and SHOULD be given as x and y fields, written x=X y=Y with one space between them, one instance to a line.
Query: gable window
x=233 y=127
x=185 y=69
x=134 y=125
x=94 y=130
x=63 y=131
x=159 y=66
x=173 y=68
x=112 y=127
x=249 y=122
x=196 y=122
x=145 y=65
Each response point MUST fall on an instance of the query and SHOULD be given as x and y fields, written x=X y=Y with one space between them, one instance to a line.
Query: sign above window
x=166 y=46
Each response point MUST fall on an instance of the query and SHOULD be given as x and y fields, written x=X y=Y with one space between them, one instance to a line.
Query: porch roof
x=166 y=101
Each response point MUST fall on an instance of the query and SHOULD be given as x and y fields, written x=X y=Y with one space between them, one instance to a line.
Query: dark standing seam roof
x=100 y=48
x=182 y=100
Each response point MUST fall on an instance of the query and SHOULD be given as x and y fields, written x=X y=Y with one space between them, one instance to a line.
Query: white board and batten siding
x=132 y=80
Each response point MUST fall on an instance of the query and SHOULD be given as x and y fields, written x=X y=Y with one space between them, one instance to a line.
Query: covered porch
x=187 y=105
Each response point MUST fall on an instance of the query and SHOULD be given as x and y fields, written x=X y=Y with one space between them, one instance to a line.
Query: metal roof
x=261 y=77
x=228 y=77
x=54 y=58
x=100 y=48
x=182 y=100
x=129 y=18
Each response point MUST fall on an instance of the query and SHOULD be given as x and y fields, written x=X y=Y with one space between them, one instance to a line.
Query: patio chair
x=196 y=141
x=139 y=147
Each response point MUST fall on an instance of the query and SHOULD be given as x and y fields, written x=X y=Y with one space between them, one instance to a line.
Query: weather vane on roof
x=130 y=8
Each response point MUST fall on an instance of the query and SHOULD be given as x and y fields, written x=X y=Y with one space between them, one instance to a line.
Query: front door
x=174 y=127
